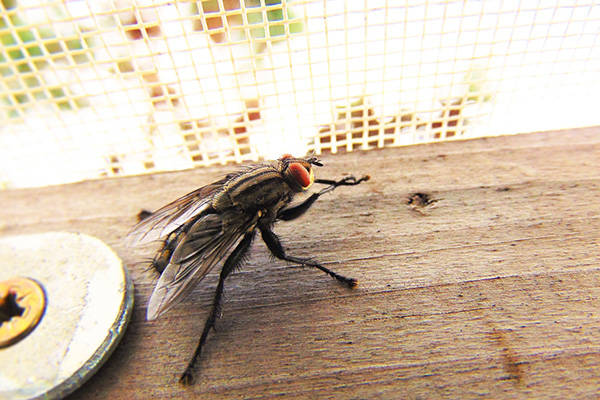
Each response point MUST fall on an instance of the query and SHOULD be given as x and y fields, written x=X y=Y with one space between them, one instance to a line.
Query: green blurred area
x=26 y=50
x=279 y=18
x=273 y=15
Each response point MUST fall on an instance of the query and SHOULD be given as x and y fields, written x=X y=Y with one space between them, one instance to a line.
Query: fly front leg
x=274 y=245
x=232 y=262
x=347 y=181
x=287 y=214
x=290 y=213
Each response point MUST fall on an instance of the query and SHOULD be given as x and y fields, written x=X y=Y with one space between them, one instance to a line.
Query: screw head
x=23 y=303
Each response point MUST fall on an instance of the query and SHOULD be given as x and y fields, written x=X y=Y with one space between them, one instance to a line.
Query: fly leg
x=232 y=262
x=347 y=181
x=274 y=245
x=290 y=213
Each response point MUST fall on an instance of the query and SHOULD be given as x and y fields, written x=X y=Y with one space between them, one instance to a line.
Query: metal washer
x=89 y=303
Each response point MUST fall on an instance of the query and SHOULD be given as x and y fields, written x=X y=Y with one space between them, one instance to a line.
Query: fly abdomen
x=163 y=256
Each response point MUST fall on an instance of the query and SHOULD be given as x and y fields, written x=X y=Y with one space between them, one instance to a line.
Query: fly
x=218 y=222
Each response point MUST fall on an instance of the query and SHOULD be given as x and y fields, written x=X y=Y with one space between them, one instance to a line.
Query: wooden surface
x=492 y=290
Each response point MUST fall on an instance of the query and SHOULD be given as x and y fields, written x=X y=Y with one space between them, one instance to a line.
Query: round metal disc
x=89 y=301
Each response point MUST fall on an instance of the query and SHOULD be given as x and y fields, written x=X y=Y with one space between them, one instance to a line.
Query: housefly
x=218 y=222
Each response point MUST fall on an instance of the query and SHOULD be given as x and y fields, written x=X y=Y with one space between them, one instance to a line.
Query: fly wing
x=204 y=245
x=170 y=217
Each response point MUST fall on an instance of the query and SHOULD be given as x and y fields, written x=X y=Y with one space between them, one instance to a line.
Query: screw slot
x=22 y=305
x=9 y=308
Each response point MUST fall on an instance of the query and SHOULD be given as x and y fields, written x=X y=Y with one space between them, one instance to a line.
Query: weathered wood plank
x=492 y=290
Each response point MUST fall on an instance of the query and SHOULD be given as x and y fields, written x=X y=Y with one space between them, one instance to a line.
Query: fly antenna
x=315 y=161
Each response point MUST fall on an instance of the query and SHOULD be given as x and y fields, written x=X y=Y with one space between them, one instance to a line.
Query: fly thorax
x=264 y=196
x=258 y=189
x=221 y=201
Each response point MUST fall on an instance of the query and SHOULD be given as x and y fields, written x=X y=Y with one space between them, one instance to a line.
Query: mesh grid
x=94 y=88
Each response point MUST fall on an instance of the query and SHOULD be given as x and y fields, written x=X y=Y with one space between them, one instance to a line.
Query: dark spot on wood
x=510 y=362
x=142 y=215
x=503 y=189
x=419 y=199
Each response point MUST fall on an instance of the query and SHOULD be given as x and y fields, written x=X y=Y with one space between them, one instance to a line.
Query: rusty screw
x=22 y=305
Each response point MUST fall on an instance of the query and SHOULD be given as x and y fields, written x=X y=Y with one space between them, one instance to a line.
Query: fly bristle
x=148 y=268
x=243 y=259
x=157 y=266
x=148 y=265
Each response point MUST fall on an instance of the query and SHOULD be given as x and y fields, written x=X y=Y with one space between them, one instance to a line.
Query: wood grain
x=492 y=290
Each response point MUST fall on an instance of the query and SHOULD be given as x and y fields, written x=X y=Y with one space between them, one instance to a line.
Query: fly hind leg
x=232 y=262
x=274 y=245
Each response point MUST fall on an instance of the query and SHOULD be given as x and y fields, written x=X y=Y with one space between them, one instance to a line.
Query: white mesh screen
x=93 y=88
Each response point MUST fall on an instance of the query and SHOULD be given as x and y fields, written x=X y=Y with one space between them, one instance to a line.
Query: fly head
x=298 y=172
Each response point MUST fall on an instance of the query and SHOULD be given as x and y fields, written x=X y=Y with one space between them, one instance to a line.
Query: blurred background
x=98 y=88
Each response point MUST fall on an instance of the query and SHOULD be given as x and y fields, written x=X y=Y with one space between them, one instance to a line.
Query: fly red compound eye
x=301 y=175
x=286 y=157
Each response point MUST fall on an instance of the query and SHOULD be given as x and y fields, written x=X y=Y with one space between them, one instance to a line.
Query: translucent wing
x=170 y=217
x=203 y=246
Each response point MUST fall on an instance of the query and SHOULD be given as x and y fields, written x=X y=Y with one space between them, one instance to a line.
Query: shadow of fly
x=219 y=221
